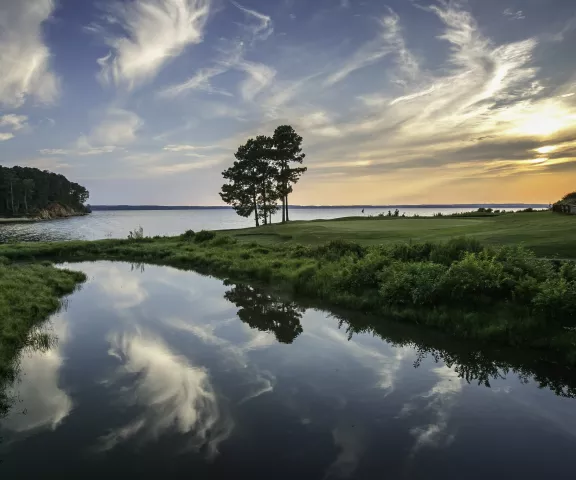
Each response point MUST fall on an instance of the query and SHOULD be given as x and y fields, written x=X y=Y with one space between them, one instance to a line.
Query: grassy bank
x=503 y=295
x=546 y=233
x=28 y=295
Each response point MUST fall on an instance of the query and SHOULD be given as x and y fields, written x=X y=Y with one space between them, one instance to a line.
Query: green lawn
x=548 y=234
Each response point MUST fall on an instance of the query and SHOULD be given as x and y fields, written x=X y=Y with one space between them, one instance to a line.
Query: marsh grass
x=28 y=295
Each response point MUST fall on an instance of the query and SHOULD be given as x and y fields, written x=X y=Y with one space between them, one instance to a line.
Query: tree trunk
x=12 y=196
x=287 y=219
x=256 y=211
x=25 y=202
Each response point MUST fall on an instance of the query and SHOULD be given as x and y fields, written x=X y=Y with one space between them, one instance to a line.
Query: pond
x=161 y=371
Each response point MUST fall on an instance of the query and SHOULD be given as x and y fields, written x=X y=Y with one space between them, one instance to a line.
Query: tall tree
x=287 y=152
x=267 y=181
x=242 y=189
x=28 y=185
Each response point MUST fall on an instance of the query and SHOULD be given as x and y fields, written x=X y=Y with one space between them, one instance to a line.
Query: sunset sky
x=398 y=101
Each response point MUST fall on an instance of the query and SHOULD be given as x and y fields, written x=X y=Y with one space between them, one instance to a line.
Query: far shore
x=19 y=220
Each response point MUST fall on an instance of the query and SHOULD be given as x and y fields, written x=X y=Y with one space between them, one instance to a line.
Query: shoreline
x=497 y=295
x=9 y=220
x=18 y=220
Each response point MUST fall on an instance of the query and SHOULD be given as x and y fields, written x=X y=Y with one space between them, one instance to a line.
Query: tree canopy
x=25 y=190
x=263 y=174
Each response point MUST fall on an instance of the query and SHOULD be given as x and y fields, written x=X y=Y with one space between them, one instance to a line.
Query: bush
x=222 y=240
x=188 y=235
x=557 y=300
x=415 y=283
x=476 y=277
x=454 y=249
x=338 y=248
x=204 y=236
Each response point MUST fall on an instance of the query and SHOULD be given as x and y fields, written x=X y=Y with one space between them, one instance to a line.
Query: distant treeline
x=308 y=207
x=25 y=190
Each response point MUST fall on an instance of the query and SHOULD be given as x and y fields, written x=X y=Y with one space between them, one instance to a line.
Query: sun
x=545 y=122
x=547 y=149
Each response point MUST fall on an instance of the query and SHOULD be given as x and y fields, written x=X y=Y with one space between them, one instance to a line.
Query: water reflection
x=41 y=402
x=266 y=313
x=171 y=392
x=160 y=370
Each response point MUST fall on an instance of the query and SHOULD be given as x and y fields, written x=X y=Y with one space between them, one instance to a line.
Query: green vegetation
x=25 y=191
x=545 y=233
x=502 y=295
x=28 y=294
x=262 y=175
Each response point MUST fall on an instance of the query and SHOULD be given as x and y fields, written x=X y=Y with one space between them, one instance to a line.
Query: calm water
x=164 y=372
x=118 y=224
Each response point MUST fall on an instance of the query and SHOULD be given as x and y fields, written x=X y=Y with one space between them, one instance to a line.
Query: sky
x=398 y=101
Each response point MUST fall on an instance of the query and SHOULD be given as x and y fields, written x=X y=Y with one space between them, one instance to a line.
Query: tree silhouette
x=266 y=313
x=263 y=174
x=288 y=150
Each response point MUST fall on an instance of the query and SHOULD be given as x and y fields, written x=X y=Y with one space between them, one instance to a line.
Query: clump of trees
x=25 y=190
x=264 y=174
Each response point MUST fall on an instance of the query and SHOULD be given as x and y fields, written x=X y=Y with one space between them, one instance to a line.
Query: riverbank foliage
x=500 y=295
x=26 y=191
x=28 y=295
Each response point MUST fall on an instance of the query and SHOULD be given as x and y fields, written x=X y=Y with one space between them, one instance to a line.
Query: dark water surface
x=161 y=372
x=117 y=224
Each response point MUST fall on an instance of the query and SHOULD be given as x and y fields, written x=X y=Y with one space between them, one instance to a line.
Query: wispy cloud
x=262 y=28
x=118 y=127
x=188 y=148
x=14 y=122
x=6 y=136
x=172 y=392
x=154 y=31
x=514 y=14
x=24 y=57
x=389 y=40
x=199 y=81
x=11 y=123
x=258 y=76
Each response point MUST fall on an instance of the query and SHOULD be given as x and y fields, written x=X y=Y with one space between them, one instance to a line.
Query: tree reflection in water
x=267 y=313
x=473 y=362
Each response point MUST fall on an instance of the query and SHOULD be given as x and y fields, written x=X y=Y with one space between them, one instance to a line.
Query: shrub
x=136 y=234
x=453 y=250
x=204 y=236
x=476 y=277
x=222 y=240
x=188 y=235
x=414 y=283
x=338 y=248
x=557 y=300
x=409 y=252
x=568 y=271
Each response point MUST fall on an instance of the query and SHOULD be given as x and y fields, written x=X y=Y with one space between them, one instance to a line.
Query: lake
x=117 y=224
x=157 y=371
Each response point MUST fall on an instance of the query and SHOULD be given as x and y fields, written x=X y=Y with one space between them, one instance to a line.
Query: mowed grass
x=546 y=233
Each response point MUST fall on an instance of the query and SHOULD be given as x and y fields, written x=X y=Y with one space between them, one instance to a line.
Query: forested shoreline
x=26 y=191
